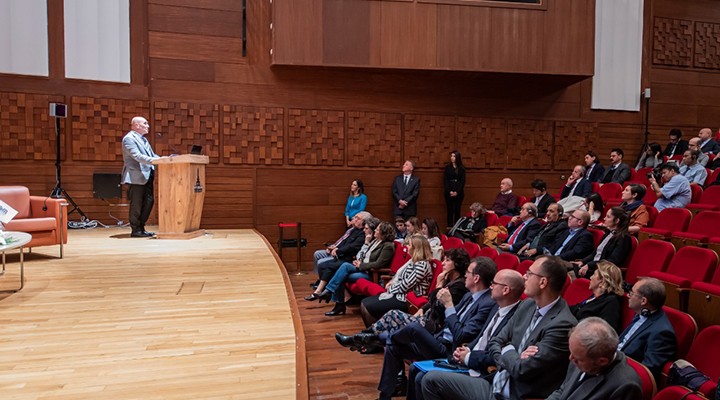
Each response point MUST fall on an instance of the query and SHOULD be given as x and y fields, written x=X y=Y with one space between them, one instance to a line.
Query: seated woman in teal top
x=356 y=202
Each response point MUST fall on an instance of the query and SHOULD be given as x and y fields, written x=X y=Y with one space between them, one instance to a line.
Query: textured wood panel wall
x=253 y=135
x=316 y=137
x=183 y=124
x=27 y=132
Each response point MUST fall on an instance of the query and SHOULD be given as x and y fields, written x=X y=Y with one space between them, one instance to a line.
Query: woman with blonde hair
x=607 y=294
x=415 y=276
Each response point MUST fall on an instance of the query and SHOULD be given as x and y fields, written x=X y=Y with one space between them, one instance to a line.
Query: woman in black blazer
x=615 y=245
x=454 y=183
x=606 y=300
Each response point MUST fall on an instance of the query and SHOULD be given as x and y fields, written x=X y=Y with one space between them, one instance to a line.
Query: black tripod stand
x=58 y=192
x=646 y=95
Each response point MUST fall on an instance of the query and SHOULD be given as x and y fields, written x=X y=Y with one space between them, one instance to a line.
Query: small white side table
x=16 y=240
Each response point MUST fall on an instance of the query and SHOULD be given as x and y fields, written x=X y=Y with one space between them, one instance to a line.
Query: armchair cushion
x=42 y=217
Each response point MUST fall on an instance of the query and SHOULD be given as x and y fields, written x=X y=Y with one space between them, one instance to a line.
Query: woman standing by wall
x=454 y=180
x=357 y=201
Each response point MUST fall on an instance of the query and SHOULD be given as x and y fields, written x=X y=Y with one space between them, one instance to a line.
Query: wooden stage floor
x=126 y=318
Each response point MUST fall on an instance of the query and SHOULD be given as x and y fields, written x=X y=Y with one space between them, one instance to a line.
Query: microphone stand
x=58 y=192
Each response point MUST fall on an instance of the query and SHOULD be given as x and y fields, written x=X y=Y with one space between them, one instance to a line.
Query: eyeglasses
x=497 y=283
x=572 y=216
x=631 y=294
x=529 y=273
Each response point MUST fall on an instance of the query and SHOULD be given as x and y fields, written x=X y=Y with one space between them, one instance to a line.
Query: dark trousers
x=142 y=199
x=412 y=342
x=454 y=207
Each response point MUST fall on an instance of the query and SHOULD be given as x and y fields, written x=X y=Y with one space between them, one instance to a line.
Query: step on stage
x=125 y=318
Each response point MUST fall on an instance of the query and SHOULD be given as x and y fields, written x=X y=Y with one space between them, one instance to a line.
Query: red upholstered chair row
x=678 y=393
x=452 y=243
x=702 y=227
x=704 y=353
x=704 y=301
x=709 y=200
x=650 y=255
x=578 y=291
x=649 y=387
x=690 y=264
x=668 y=221
x=44 y=218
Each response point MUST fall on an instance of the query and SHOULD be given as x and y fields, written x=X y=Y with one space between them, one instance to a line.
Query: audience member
x=400 y=229
x=521 y=229
x=576 y=242
x=650 y=338
x=379 y=254
x=505 y=289
x=540 y=197
x=606 y=298
x=694 y=144
x=415 y=276
x=506 y=202
x=632 y=197
x=430 y=230
x=675 y=193
x=462 y=324
x=357 y=201
x=651 y=157
x=708 y=144
x=597 y=371
x=412 y=227
x=467 y=228
x=694 y=172
x=531 y=351
x=405 y=190
x=594 y=171
x=454 y=184
x=618 y=171
x=344 y=248
x=614 y=246
x=554 y=226
x=593 y=204
x=676 y=146
x=576 y=185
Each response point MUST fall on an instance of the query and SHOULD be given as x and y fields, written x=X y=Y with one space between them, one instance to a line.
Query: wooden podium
x=181 y=193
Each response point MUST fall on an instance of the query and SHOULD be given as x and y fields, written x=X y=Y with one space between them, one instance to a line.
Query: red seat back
x=437 y=269
x=578 y=291
x=705 y=223
x=710 y=195
x=400 y=257
x=597 y=235
x=610 y=190
x=646 y=377
x=696 y=195
x=673 y=219
x=524 y=266
x=489 y=252
x=452 y=243
x=472 y=249
x=713 y=177
x=633 y=248
x=677 y=393
x=507 y=261
x=522 y=200
x=595 y=187
x=503 y=220
x=705 y=352
x=696 y=264
x=491 y=218
x=652 y=213
x=685 y=329
x=650 y=255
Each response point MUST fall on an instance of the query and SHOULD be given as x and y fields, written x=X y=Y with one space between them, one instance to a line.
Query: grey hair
x=597 y=337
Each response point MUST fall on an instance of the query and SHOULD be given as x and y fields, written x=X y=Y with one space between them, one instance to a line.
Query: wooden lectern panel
x=181 y=193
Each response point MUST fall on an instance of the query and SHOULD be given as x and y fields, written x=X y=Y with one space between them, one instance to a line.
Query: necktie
x=511 y=240
x=503 y=377
x=672 y=152
x=567 y=239
x=407 y=180
x=482 y=343
x=343 y=237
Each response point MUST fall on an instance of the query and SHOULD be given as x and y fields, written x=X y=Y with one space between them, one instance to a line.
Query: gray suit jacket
x=137 y=159
x=617 y=382
x=537 y=376
x=621 y=174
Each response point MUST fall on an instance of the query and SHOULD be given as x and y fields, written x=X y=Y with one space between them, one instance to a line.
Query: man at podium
x=139 y=173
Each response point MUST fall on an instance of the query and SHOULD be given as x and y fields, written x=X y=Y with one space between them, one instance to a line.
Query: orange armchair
x=42 y=217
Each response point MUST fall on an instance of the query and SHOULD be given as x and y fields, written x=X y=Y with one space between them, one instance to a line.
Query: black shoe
x=367 y=339
x=148 y=234
x=339 y=309
x=400 y=386
x=345 y=341
x=139 y=234
x=313 y=296
x=326 y=295
x=315 y=285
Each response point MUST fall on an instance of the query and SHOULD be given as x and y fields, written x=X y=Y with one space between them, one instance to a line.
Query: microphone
x=172 y=149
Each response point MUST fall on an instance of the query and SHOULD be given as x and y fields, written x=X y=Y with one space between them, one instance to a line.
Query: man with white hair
x=506 y=202
x=139 y=173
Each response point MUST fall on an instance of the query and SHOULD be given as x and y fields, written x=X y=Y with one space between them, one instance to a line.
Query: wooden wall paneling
x=183 y=125
x=672 y=42
x=179 y=70
x=527 y=35
x=253 y=135
x=572 y=140
x=374 y=139
x=707 y=46
x=627 y=137
x=259 y=33
x=465 y=36
x=346 y=31
x=482 y=142
x=429 y=139
x=56 y=39
x=225 y=5
x=316 y=137
x=408 y=34
x=530 y=144
x=196 y=21
x=569 y=37
x=98 y=126
x=297 y=32
x=27 y=132
x=699 y=10
x=195 y=47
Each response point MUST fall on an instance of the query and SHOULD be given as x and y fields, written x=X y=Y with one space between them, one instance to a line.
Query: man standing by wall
x=139 y=173
x=406 y=189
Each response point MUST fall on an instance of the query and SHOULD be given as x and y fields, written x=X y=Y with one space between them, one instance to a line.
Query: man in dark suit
x=708 y=145
x=531 y=351
x=139 y=173
x=576 y=243
x=506 y=289
x=650 y=338
x=676 y=146
x=594 y=171
x=618 y=171
x=346 y=247
x=576 y=184
x=554 y=226
x=462 y=324
x=521 y=229
x=541 y=198
x=406 y=189
x=597 y=371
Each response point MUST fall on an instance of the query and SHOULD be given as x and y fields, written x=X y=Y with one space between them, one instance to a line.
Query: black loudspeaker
x=107 y=186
